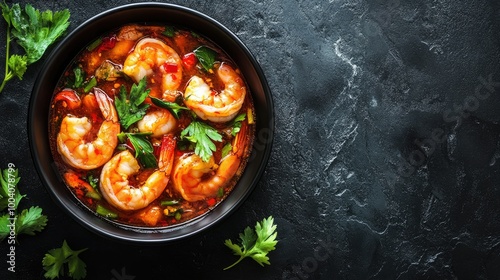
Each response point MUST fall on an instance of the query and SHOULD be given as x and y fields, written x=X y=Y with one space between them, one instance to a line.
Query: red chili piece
x=189 y=60
x=107 y=43
x=211 y=202
x=170 y=67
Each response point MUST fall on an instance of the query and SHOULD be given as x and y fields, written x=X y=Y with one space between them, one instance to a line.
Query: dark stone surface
x=384 y=164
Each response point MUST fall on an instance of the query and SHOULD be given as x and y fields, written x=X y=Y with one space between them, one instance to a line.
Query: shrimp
x=150 y=53
x=218 y=107
x=116 y=187
x=72 y=138
x=159 y=122
x=196 y=179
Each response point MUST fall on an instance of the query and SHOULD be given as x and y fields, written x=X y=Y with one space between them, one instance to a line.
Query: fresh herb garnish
x=130 y=107
x=79 y=77
x=255 y=244
x=236 y=124
x=35 y=31
x=172 y=107
x=206 y=57
x=29 y=221
x=169 y=31
x=202 y=136
x=55 y=259
x=144 y=151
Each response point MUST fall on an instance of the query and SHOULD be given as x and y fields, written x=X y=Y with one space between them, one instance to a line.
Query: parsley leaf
x=35 y=31
x=54 y=260
x=30 y=221
x=18 y=65
x=9 y=178
x=201 y=135
x=172 y=107
x=144 y=150
x=206 y=57
x=255 y=244
x=131 y=108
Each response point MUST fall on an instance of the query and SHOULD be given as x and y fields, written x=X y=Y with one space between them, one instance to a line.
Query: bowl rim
x=43 y=163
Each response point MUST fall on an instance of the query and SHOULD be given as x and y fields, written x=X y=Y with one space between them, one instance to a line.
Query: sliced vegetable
x=105 y=212
x=94 y=44
x=169 y=202
x=90 y=84
x=189 y=60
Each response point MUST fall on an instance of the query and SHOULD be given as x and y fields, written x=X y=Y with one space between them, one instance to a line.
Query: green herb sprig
x=34 y=31
x=55 y=261
x=131 y=107
x=255 y=243
x=28 y=221
x=202 y=136
x=144 y=150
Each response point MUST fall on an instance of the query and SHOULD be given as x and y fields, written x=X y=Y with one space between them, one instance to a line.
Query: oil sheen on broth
x=151 y=126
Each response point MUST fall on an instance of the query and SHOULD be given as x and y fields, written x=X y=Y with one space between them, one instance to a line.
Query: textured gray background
x=357 y=85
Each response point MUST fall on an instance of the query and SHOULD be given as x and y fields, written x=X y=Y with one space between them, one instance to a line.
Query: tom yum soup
x=151 y=125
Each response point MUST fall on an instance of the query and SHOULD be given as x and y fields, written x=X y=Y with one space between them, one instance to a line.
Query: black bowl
x=68 y=48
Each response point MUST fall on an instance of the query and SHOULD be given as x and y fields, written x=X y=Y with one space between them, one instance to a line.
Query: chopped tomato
x=189 y=60
x=170 y=67
x=107 y=43
x=211 y=202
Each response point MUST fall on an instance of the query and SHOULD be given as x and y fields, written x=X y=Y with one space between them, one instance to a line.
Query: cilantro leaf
x=130 y=108
x=206 y=57
x=54 y=260
x=144 y=150
x=30 y=221
x=255 y=244
x=36 y=31
x=9 y=179
x=202 y=135
x=18 y=65
x=4 y=226
x=172 y=107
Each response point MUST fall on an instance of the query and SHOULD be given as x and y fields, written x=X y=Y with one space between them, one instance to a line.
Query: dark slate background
x=384 y=164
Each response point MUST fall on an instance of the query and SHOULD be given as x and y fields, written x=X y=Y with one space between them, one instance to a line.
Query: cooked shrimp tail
x=196 y=179
x=72 y=143
x=210 y=105
x=120 y=192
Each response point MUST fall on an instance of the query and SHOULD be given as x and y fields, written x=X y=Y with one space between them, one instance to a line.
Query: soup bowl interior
x=154 y=13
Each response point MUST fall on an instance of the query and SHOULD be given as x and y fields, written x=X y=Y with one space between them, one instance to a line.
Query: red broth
x=89 y=157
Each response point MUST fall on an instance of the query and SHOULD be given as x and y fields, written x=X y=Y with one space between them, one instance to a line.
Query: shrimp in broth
x=145 y=131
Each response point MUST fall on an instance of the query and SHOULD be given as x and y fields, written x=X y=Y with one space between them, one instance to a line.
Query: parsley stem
x=238 y=261
x=8 y=75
